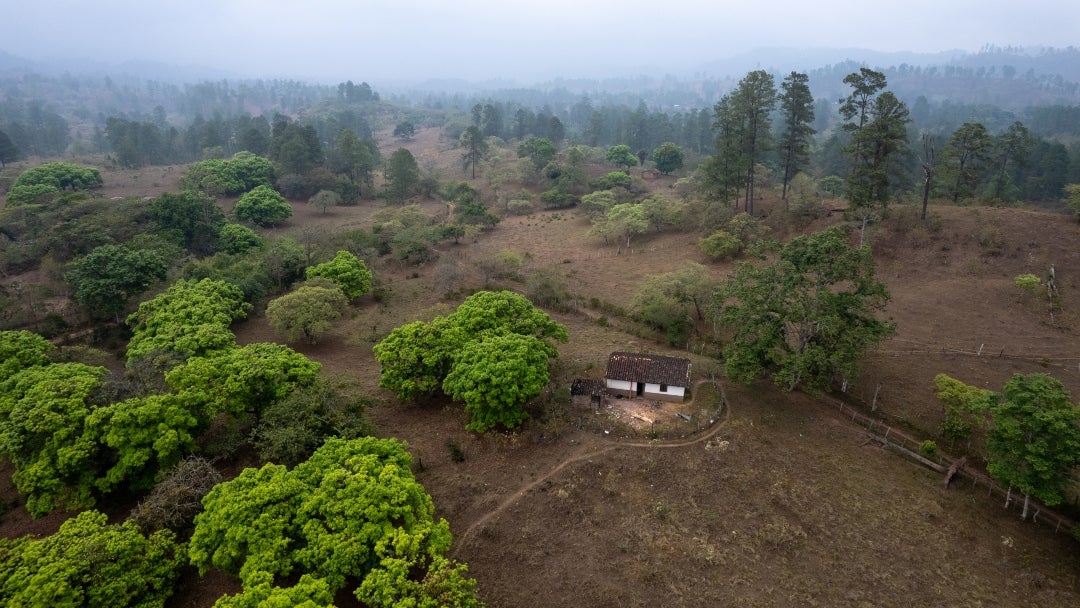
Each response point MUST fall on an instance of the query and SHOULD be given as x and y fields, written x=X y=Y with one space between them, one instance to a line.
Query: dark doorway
x=640 y=389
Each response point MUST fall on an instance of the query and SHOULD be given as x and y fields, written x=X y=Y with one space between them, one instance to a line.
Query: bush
x=928 y=448
x=721 y=245
x=519 y=207
x=1028 y=282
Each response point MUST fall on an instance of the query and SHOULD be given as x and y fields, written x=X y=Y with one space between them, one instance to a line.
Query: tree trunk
x=1023 y=515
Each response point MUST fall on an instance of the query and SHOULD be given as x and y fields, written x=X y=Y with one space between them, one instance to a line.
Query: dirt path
x=586 y=452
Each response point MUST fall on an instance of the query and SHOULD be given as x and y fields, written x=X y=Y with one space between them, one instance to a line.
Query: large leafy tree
x=807 y=315
x=138 y=438
x=91 y=563
x=20 y=350
x=45 y=182
x=263 y=206
x=797 y=109
x=402 y=176
x=242 y=380
x=418 y=358
x=668 y=157
x=43 y=410
x=539 y=150
x=877 y=122
x=495 y=376
x=965 y=155
x=621 y=155
x=352 y=512
x=192 y=218
x=190 y=318
x=1034 y=437
x=106 y=278
x=415 y=357
x=621 y=222
x=347 y=271
x=307 y=312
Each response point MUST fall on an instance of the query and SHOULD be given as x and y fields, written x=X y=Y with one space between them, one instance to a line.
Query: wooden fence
x=891 y=437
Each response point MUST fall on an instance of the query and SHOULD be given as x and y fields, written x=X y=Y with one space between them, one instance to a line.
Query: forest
x=282 y=343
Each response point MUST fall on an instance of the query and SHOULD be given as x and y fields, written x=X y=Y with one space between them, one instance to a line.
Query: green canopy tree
x=402 y=175
x=621 y=156
x=418 y=357
x=539 y=150
x=671 y=301
x=622 y=221
x=243 y=380
x=415 y=357
x=60 y=175
x=668 y=157
x=190 y=318
x=262 y=206
x=22 y=349
x=405 y=130
x=91 y=563
x=808 y=315
x=139 y=438
x=191 y=217
x=238 y=239
x=43 y=411
x=106 y=278
x=497 y=312
x=352 y=512
x=1072 y=198
x=347 y=271
x=308 y=312
x=495 y=377
x=1034 y=437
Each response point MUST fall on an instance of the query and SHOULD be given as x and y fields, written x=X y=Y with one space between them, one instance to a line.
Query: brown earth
x=781 y=502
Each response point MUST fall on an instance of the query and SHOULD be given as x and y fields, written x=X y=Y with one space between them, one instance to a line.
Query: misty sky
x=335 y=40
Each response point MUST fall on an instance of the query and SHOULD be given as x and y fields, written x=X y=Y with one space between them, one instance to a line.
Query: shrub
x=1028 y=282
x=928 y=448
x=721 y=245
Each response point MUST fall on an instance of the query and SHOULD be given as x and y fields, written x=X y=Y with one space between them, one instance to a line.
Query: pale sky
x=335 y=40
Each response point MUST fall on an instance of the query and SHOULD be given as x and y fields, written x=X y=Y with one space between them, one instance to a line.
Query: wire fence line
x=889 y=435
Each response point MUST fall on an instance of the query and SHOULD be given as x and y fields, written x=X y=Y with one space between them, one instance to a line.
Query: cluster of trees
x=75 y=433
x=352 y=514
x=1032 y=431
x=492 y=353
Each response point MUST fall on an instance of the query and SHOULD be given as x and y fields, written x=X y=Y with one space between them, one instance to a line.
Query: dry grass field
x=782 y=502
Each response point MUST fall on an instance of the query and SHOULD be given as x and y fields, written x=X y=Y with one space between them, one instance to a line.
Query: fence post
x=1008 y=496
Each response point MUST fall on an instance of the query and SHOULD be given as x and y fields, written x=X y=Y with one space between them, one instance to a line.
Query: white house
x=650 y=376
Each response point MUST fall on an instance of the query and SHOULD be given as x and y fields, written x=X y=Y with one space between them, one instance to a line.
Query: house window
x=663 y=388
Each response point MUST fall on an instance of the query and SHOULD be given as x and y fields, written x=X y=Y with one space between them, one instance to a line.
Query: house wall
x=651 y=391
x=673 y=393
x=621 y=387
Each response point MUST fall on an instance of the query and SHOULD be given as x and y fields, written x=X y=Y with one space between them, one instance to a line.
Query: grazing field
x=782 y=501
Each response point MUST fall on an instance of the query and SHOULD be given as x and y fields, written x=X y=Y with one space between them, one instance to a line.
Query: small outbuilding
x=649 y=376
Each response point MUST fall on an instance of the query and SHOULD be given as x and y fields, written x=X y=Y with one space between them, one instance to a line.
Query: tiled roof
x=583 y=386
x=652 y=369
